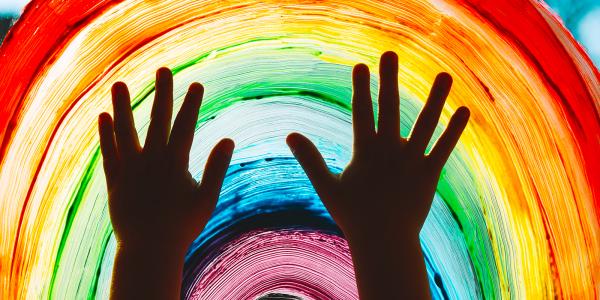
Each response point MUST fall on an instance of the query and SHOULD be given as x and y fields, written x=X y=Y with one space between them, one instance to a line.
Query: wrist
x=160 y=266
x=382 y=236
x=384 y=260
x=158 y=249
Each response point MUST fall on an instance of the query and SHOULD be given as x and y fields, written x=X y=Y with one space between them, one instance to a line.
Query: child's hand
x=389 y=182
x=156 y=208
x=384 y=194
x=153 y=199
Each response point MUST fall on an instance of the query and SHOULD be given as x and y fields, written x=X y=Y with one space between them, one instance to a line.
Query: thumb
x=216 y=169
x=313 y=164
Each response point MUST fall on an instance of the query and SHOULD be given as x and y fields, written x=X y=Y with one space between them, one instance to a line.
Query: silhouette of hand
x=389 y=184
x=153 y=198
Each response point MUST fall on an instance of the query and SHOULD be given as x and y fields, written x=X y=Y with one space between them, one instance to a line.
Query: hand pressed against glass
x=156 y=208
x=383 y=196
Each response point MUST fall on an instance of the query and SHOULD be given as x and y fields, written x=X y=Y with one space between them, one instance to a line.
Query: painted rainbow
x=516 y=214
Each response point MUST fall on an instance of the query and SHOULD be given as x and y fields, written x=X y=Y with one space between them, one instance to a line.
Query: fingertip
x=196 y=88
x=223 y=150
x=444 y=79
x=389 y=57
x=121 y=106
x=220 y=156
x=293 y=139
x=120 y=95
x=227 y=144
x=107 y=142
x=360 y=75
x=464 y=112
x=104 y=118
x=119 y=87
x=361 y=69
x=163 y=72
x=388 y=63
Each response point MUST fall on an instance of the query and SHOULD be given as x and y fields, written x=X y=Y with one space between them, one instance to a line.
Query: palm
x=151 y=200
x=372 y=188
x=389 y=182
x=152 y=196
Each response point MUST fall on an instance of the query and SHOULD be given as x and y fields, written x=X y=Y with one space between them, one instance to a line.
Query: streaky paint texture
x=517 y=208
x=581 y=17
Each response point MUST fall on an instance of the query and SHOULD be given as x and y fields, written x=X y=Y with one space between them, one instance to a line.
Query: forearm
x=147 y=273
x=389 y=267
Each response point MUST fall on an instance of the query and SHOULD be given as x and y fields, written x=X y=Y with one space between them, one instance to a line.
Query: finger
x=430 y=115
x=313 y=164
x=126 y=135
x=446 y=143
x=182 y=136
x=362 y=107
x=162 y=109
x=216 y=169
x=108 y=145
x=389 y=100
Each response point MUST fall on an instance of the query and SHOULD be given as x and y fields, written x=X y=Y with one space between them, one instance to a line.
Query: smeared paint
x=516 y=210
